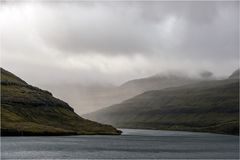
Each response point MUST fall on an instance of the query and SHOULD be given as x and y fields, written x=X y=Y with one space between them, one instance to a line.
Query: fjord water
x=133 y=143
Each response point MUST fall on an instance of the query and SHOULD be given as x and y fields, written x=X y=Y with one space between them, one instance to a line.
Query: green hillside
x=28 y=110
x=211 y=106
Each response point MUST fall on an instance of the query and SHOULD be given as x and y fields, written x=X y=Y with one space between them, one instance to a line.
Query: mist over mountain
x=113 y=42
x=28 y=110
x=152 y=72
x=207 y=106
x=160 y=81
x=234 y=75
x=88 y=98
x=72 y=47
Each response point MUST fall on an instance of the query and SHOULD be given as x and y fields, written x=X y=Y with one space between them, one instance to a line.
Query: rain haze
x=73 y=49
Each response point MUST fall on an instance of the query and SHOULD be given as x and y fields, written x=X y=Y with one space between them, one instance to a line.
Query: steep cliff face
x=28 y=110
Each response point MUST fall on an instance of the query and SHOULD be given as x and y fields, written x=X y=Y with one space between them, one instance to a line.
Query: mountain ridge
x=28 y=110
x=209 y=106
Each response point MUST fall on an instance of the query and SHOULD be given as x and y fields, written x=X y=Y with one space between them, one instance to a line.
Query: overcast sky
x=112 y=42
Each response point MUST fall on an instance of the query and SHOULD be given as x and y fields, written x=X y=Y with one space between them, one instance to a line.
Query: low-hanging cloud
x=193 y=28
x=130 y=39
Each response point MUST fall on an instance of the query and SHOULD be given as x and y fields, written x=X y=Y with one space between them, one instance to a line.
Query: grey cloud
x=85 y=43
x=165 y=34
x=123 y=28
x=99 y=29
x=196 y=11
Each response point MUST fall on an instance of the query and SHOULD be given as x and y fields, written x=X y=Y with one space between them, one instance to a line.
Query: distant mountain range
x=158 y=81
x=28 y=110
x=91 y=98
x=207 y=106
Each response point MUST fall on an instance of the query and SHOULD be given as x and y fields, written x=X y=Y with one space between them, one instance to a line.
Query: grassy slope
x=207 y=107
x=27 y=110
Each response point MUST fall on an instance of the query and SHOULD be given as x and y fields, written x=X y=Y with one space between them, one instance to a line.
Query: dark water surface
x=133 y=144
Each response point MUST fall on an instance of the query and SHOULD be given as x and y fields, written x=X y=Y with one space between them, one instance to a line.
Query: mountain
x=101 y=95
x=28 y=110
x=234 y=75
x=209 y=106
x=158 y=81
